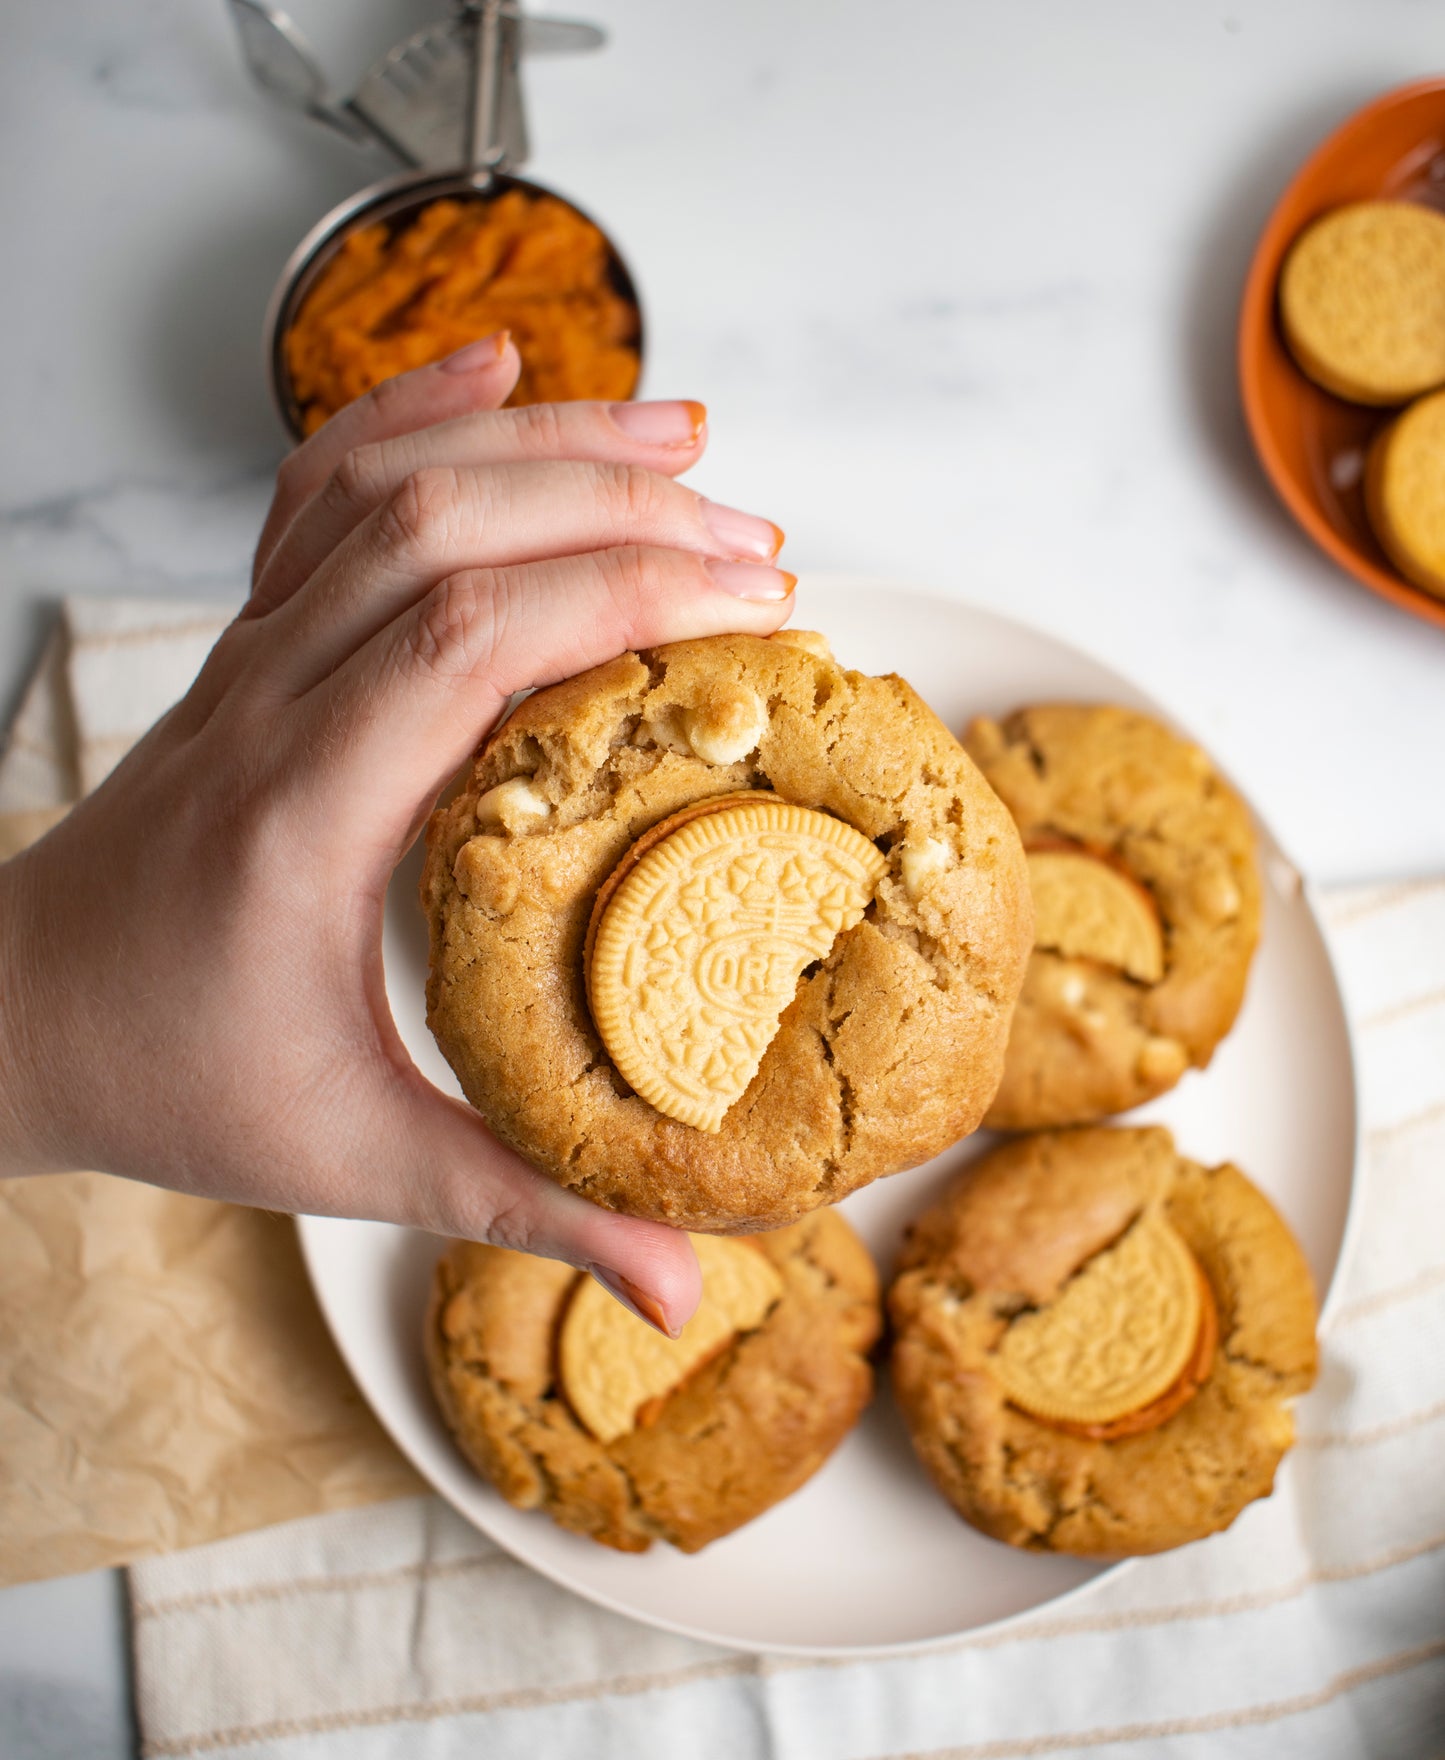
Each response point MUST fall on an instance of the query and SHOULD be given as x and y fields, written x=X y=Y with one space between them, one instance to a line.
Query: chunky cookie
x=1147 y=902
x=570 y=1404
x=1362 y=301
x=1405 y=492
x=722 y=931
x=1097 y=1341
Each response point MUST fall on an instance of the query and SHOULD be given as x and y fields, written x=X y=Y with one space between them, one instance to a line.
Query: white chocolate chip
x=664 y=727
x=1162 y=1060
x=921 y=863
x=515 y=806
x=1216 y=897
x=727 y=727
x=1072 y=989
x=808 y=640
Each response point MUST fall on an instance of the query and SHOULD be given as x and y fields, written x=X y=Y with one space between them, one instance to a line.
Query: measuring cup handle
x=496 y=123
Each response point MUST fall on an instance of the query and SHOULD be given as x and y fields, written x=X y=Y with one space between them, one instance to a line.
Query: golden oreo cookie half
x=700 y=949
x=1119 y=1336
x=1085 y=908
x=614 y=1367
x=650 y=840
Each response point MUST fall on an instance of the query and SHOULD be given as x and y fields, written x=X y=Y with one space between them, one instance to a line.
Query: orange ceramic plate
x=1312 y=444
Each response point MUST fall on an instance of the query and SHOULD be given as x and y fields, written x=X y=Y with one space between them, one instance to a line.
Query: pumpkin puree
x=389 y=301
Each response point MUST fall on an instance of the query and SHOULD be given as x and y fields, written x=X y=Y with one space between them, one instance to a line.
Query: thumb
x=459 y=1180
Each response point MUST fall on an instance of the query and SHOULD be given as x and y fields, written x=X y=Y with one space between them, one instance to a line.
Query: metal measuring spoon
x=423 y=100
x=283 y=64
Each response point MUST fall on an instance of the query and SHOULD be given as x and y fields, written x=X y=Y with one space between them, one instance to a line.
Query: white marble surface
x=958 y=284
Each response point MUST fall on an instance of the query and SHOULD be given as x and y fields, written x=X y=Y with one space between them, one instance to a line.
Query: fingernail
x=477 y=355
x=751 y=580
x=633 y=1299
x=744 y=534
x=661 y=424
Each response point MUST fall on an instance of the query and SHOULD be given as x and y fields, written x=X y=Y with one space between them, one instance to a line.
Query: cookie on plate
x=723 y=931
x=1147 y=904
x=1097 y=1341
x=1362 y=301
x=1405 y=492
x=570 y=1404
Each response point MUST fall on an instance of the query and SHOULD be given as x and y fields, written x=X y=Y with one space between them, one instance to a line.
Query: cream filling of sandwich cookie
x=614 y=1368
x=696 y=951
x=1133 y=1327
x=1084 y=908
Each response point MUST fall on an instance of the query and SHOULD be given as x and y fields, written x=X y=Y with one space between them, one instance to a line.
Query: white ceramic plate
x=867 y=1557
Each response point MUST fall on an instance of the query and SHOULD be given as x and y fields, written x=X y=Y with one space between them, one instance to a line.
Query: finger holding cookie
x=599 y=452
x=430 y=417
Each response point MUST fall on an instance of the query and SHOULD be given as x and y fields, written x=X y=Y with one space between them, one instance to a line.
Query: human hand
x=191 y=986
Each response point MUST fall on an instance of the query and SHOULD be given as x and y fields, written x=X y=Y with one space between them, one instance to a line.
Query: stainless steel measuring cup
x=446 y=103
